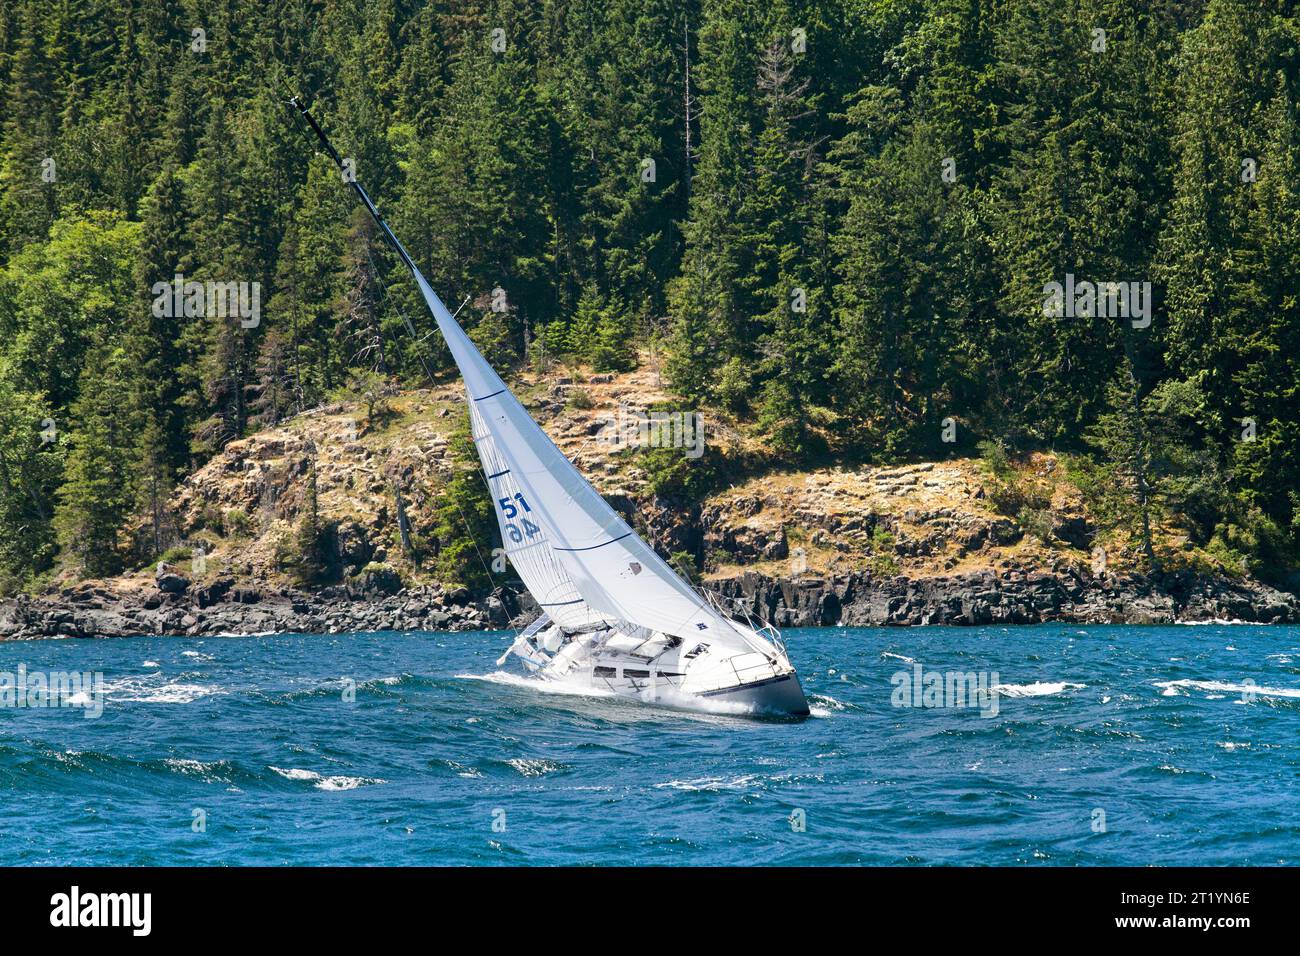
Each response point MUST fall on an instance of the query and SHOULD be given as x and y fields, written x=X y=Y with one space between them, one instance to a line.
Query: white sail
x=563 y=538
x=531 y=556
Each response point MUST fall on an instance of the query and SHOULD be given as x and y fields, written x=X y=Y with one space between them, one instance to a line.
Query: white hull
x=666 y=671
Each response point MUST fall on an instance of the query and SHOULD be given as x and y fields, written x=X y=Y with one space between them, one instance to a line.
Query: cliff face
x=920 y=544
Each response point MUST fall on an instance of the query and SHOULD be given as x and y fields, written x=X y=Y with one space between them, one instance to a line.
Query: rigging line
x=383 y=286
x=473 y=540
x=410 y=327
x=469 y=532
x=429 y=374
x=410 y=264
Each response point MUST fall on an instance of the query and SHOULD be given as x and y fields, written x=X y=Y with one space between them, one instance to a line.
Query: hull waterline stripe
x=738 y=687
x=595 y=546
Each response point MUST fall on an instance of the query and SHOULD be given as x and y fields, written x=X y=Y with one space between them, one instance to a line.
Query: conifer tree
x=98 y=493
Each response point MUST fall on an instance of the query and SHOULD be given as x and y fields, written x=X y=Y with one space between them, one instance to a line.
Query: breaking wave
x=155 y=688
x=321 y=782
x=1177 y=688
x=1039 y=689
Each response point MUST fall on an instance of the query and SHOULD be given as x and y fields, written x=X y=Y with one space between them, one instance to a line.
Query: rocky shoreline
x=862 y=546
x=175 y=607
x=1009 y=597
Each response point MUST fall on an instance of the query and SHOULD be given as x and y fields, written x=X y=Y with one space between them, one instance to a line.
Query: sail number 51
x=511 y=511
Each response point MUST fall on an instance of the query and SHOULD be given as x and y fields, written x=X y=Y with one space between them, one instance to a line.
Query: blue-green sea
x=1109 y=745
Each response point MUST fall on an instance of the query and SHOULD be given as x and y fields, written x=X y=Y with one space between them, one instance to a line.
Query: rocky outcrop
x=1007 y=597
x=924 y=543
x=1011 y=596
x=222 y=609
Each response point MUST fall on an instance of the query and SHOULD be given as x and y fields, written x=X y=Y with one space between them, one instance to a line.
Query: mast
x=351 y=180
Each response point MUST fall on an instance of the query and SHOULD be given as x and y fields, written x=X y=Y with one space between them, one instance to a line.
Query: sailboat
x=616 y=618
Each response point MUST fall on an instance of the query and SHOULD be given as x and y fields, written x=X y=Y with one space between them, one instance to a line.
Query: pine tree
x=1228 y=255
x=153 y=335
x=28 y=195
x=31 y=464
x=465 y=525
x=98 y=492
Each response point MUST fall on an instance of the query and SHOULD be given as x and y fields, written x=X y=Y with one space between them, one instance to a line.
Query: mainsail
x=574 y=553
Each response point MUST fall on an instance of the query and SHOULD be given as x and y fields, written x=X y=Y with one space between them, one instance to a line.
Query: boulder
x=169 y=582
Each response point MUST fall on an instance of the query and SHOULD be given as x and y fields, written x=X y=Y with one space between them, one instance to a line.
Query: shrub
x=212 y=519
x=176 y=554
x=1038 y=522
x=669 y=472
x=1008 y=491
x=238 y=523
x=684 y=563
x=882 y=560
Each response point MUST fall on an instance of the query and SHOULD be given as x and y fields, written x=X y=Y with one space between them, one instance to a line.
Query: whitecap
x=345 y=783
x=533 y=767
x=1176 y=688
x=146 y=690
x=293 y=773
x=184 y=763
x=208 y=772
x=710 y=784
x=337 y=782
x=1037 y=689
x=885 y=655
x=824 y=705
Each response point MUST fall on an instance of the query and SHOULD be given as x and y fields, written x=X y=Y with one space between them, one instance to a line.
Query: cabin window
x=628 y=672
x=605 y=672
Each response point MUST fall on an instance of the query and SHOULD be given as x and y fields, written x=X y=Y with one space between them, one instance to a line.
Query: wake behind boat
x=615 y=616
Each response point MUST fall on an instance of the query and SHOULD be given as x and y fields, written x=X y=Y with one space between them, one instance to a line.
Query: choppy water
x=1185 y=738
